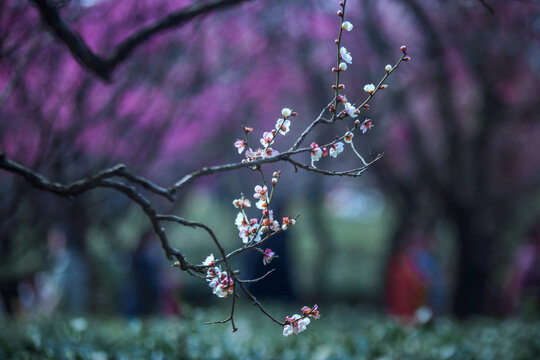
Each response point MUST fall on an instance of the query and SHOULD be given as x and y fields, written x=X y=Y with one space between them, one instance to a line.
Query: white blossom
x=350 y=109
x=282 y=126
x=347 y=26
x=209 y=260
x=336 y=149
x=345 y=55
x=369 y=88
x=286 y=112
x=267 y=139
x=295 y=325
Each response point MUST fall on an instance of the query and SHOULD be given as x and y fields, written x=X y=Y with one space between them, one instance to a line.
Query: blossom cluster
x=282 y=126
x=222 y=285
x=251 y=230
x=254 y=231
x=297 y=323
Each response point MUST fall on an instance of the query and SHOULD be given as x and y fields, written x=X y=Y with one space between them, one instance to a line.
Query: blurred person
x=149 y=289
x=415 y=285
x=522 y=288
x=65 y=285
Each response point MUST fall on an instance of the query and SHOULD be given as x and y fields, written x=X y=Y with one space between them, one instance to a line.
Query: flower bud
x=366 y=106
x=294 y=113
x=248 y=129
x=274 y=181
x=403 y=49
x=407 y=58
x=331 y=108
x=347 y=26
x=388 y=68
x=340 y=13
x=274 y=131
x=334 y=87
x=336 y=41
x=369 y=88
x=286 y=112
x=334 y=69
x=276 y=174
x=356 y=122
x=383 y=86
x=341 y=87
x=342 y=66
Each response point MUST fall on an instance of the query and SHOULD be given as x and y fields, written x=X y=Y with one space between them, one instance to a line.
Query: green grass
x=342 y=333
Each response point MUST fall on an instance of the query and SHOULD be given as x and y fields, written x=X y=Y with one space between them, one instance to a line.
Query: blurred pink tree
x=460 y=132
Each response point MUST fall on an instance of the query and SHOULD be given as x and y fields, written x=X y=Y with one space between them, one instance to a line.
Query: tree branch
x=102 y=66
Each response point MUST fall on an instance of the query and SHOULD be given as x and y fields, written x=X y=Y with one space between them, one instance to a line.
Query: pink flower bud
x=407 y=58
x=403 y=49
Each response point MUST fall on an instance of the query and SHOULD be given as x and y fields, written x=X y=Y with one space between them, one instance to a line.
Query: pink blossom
x=267 y=139
x=316 y=152
x=282 y=126
x=269 y=152
x=366 y=125
x=240 y=145
x=287 y=222
x=241 y=203
x=295 y=325
x=268 y=256
x=311 y=312
x=260 y=192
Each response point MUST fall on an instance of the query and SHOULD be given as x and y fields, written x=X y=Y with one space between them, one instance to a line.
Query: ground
x=343 y=332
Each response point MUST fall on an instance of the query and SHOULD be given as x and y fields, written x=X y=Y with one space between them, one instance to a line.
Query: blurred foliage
x=342 y=333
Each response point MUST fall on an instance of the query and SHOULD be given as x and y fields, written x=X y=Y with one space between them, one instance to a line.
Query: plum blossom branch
x=255 y=231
